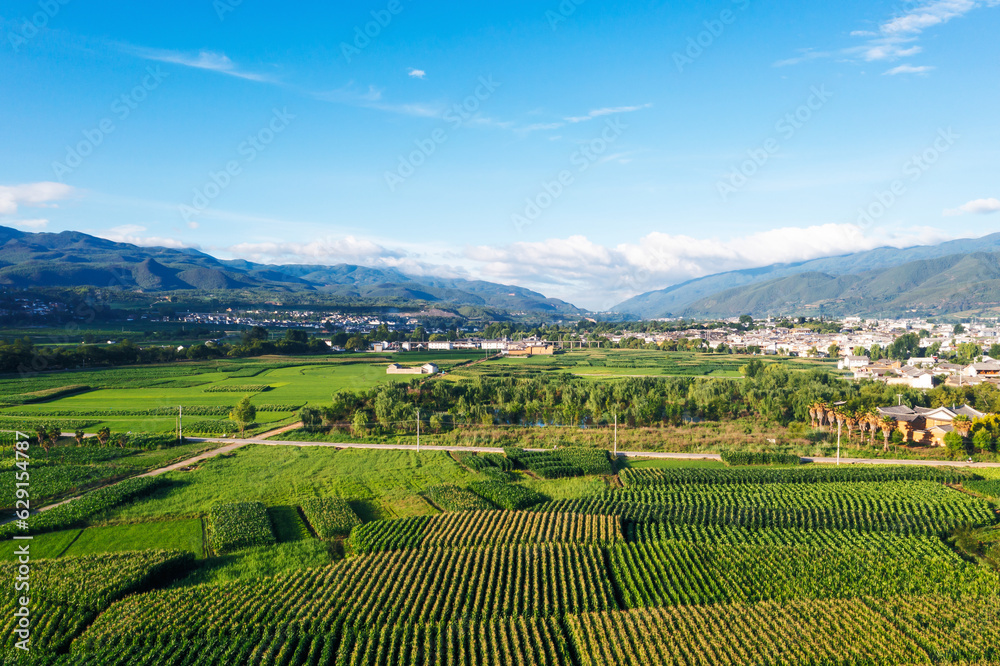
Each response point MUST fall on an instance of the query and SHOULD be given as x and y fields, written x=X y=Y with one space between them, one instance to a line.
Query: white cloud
x=976 y=206
x=927 y=15
x=607 y=111
x=594 y=276
x=37 y=195
x=893 y=39
x=372 y=99
x=30 y=224
x=132 y=233
x=908 y=69
x=417 y=73
x=209 y=60
x=331 y=250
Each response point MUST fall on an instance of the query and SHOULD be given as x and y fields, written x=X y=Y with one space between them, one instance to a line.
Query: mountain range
x=956 y=276
x=74 y=259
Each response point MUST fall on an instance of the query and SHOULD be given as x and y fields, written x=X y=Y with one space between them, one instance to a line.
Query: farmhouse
x=927 y=425
x=532 y=349
x=425 y=369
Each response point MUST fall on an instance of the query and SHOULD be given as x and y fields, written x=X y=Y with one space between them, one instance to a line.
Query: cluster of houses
x=922 y=372
x=929 y=425
x=519 y=348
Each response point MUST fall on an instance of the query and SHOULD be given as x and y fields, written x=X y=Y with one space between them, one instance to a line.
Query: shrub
x=759 y=458
x=330 y=516
x=239 y=525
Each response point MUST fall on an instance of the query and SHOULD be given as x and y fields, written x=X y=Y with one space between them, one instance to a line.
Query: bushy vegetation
x=506 y=495
x=239 y=525
x=759 y=458
x=330 y=516
x=450 y=497
x=562 y=462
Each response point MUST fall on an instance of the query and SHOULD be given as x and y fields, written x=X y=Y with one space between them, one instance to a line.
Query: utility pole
x=180 y=423
x=418 y=431
x=616 y=433
x=839 y=424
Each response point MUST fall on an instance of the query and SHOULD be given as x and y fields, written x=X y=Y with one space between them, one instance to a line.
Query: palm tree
x=963 y=424
x=887 y=425
x=851 y=420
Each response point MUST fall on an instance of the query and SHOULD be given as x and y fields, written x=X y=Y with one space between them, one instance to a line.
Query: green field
x=292 y=383
x=387 y=483
x=614 y=363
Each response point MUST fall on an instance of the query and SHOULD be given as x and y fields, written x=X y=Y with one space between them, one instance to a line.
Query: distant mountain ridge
x=72 y=259
x=724 y=294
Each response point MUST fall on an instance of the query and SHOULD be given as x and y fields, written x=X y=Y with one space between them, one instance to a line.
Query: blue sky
x=588 y=150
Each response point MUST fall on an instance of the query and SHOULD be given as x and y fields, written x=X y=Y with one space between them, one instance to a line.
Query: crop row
x=239 y=525
x=238 y=388
x=852 y=632
x=502 y=643
x=884 y=543
x=506 y=495
x=330 y=516
x=425 y=586
x=640 y=478
x=48 y=481
x=477 y=528
x=989 y=488
x=77 y=512
x=562 y=462
x=66 y=594
x=919 y=507
x=450 y=497
x=759 y=458
x=671 y=573
x=189 y=410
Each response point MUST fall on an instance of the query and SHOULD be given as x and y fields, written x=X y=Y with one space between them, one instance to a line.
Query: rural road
x=627 y=454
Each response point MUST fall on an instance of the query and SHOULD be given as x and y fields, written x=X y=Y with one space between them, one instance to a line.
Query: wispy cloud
x=37 y=195
x=417 y=73
x=208 y=60
x=976 y=206
x=895 y=38
x=606 y=111
x=372 y=98
x=908 y=69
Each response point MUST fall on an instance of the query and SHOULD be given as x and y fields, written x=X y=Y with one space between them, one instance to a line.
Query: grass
x=256 y=563
x=288 y=524
x=182 y=535
x=389 y=483
x=293 y=381
x=601 y=364
x=41 y=546
x=577 y=487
